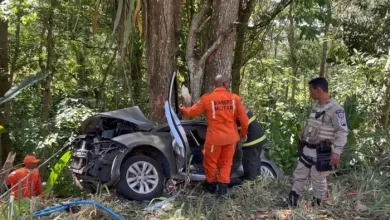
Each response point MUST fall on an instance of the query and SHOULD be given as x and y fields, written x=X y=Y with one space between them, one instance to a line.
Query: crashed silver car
x=123 y=149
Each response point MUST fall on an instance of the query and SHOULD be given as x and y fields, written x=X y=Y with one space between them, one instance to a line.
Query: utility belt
x=324 y=153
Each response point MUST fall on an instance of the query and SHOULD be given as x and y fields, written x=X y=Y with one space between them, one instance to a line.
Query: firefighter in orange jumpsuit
x=222 y=110
x=32 y=185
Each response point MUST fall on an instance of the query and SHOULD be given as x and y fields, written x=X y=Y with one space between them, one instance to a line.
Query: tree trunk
x=244 y=13
x=225 y=14
x=136 y=72
x=386 y=109
x=160 y=52
x=47 y=82
x=324 y=52
x=5 y=142
x=293 y=56
x=17 y=43
x=82 y=73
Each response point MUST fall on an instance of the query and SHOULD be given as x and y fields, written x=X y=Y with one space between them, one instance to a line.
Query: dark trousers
x=251 y=162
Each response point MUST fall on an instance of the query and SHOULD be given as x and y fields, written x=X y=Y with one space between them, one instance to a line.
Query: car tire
x=145 y=187
x=269 y=171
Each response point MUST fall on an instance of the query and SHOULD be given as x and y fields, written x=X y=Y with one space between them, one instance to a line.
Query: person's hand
x=334 y=159
x=244 y=139
x=239 y=145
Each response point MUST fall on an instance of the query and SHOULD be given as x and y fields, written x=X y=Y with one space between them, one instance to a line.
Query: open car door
x=180 y=143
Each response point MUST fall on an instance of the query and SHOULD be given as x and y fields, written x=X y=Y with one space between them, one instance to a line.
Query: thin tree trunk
x=82 y=74
x=101 y=96
x=386 y=112
x=47 y=82
x=17 y=42
x=225 y=15
x=136 y=72
x=244 y=13
x=160 y=52
x=5 y=142
x=324 y=52
x=293 y=56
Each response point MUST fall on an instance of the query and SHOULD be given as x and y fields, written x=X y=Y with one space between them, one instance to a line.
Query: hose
x=58 y=208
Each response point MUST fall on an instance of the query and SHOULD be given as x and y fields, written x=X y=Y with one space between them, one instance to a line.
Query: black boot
x=211 y=187
x=222 y=189
x=293 y=198
x=316 y=202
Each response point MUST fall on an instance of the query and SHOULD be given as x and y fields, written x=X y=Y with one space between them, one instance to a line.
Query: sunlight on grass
x=360 y=194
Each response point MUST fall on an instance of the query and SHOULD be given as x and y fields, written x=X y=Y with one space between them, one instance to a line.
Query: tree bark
x=160 y=52
x=225 y=15
x=5 y=142
x=293 y=56
x=194 y=65
x=47 y=82
x=244 y=12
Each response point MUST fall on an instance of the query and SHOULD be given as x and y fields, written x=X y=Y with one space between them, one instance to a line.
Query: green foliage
x=56 y=172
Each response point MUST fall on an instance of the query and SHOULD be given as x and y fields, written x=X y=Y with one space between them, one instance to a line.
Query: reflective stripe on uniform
x=254 y=142
x=212 y=107
x=234 y=106
x=250 y=121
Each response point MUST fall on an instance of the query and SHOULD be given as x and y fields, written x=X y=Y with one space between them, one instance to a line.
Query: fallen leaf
x=262 y=210
x=360 y=207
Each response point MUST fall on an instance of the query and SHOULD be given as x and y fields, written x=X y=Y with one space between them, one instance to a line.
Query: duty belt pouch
x=324 y=152
x=300 y=148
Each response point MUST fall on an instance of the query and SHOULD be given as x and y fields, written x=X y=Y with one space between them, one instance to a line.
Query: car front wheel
x=267 y=171
x=141 y=178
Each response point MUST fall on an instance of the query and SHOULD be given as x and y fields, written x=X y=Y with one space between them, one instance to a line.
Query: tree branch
x=191 y=41
x=271 y=16
x=203 y=25
x=216 y=43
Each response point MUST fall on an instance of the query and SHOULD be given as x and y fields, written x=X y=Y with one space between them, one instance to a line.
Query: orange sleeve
x=12 y=178
x=38 y=184
x=242 y=117
x=195 y=110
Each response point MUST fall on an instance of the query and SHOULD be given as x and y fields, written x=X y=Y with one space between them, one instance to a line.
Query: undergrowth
x=361 y=193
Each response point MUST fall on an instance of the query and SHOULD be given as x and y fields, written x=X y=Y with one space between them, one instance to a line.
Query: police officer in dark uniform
x=251 y=149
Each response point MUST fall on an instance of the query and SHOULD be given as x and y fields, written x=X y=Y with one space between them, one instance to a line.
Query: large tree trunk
x=47 y=82
x=225 y=14
x=5 y=142
x=244 y=13
x=160 y=52
x=194 y=65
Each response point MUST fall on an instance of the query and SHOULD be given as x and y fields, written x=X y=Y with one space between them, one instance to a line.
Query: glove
x=239 y=145
x=244 y=139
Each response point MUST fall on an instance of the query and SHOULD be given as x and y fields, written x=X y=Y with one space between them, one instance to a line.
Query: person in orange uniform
x=222 y=110
x=32 y=185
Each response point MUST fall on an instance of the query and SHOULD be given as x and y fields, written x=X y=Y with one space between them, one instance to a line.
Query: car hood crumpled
x=131 y=114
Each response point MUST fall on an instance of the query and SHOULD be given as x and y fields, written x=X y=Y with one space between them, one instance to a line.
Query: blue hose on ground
x=58 y=208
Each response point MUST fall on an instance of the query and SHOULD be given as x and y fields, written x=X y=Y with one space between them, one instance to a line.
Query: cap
x=30 y=159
